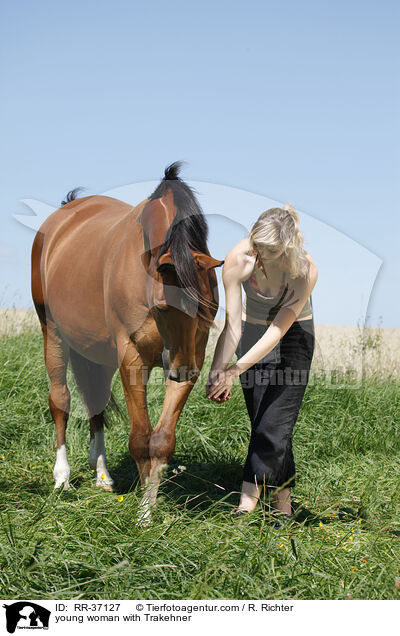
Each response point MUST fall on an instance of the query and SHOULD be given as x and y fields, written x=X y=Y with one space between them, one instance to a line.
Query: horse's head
x=181 y=288
x=184 y=314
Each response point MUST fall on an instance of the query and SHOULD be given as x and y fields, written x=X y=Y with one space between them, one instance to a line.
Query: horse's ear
x=165 y=262
x=204 y=261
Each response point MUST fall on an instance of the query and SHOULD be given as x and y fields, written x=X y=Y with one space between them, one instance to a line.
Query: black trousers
x=273 y=390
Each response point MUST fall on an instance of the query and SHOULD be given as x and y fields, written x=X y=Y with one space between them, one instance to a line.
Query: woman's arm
x=284 y=319
x=282 y=322
x=233 y=272
x=230 y=335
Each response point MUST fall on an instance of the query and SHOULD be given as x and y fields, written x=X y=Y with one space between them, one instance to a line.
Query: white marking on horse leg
x=98 y=461
x=147 y=503
x=150 y=494
x=61 y=470
x=144 y=513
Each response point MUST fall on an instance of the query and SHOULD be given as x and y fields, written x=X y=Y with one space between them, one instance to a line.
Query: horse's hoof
x=60 y=483
x=144 y=515
x=105 y=485
x=144 y=522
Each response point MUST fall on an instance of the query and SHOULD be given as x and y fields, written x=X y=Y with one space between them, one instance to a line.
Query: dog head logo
x=26 y=615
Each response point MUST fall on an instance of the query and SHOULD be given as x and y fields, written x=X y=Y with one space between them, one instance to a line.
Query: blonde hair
x=278 y=228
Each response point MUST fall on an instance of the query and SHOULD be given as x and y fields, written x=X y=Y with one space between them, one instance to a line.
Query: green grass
x=86 y=544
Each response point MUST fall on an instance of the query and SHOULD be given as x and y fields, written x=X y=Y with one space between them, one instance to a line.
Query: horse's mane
x=188 y=231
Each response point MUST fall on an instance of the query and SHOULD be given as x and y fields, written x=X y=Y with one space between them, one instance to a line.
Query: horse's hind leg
x=94 y=383
x=97 y=452
x=56 y=358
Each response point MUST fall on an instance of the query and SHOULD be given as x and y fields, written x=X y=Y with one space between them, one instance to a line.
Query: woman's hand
x=219 y=389
x=212 y=378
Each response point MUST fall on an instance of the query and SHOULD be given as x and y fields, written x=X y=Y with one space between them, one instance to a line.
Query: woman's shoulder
x=307 y=279
x=312 y=270
x=241 y=252
x=239 y=261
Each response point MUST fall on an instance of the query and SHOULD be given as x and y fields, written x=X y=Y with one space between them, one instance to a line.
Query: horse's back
x=102 y=211
x=72 y=252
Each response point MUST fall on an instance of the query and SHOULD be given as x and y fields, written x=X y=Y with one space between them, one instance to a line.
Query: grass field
x=85 y=543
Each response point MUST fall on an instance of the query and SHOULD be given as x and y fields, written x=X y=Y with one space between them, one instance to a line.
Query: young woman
x=275 y=333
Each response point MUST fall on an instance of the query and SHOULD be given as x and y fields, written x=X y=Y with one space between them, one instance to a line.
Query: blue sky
x=294 y=101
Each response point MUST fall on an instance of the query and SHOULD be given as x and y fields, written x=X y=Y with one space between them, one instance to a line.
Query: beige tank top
x=264 y=308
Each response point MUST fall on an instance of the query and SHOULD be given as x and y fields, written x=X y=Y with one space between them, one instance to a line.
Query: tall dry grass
x=365 y=351
x=357 y=351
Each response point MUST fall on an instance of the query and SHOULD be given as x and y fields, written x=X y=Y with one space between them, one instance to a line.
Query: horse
x=125 y=287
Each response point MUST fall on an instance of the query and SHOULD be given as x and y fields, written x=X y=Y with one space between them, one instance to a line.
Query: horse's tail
x=114 y=407
x=71 y=196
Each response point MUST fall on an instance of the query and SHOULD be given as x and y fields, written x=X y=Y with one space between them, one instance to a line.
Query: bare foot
x=281 y=501
x=249 y=497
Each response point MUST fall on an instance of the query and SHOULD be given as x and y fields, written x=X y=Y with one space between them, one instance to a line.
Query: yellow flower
x=102 y=476
x=351 y=538
x=321 y=525
x=87 y=502
x=92 y=470
x=281 y=545
x=2 y=457
x=353 y=569
x=120 y=498
x=359 y=521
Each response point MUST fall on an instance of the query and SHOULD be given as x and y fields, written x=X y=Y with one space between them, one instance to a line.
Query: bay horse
x=128 y=288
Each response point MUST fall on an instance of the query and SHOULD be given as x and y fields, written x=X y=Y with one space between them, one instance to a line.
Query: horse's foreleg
x=134 y=376
x=163 y=440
